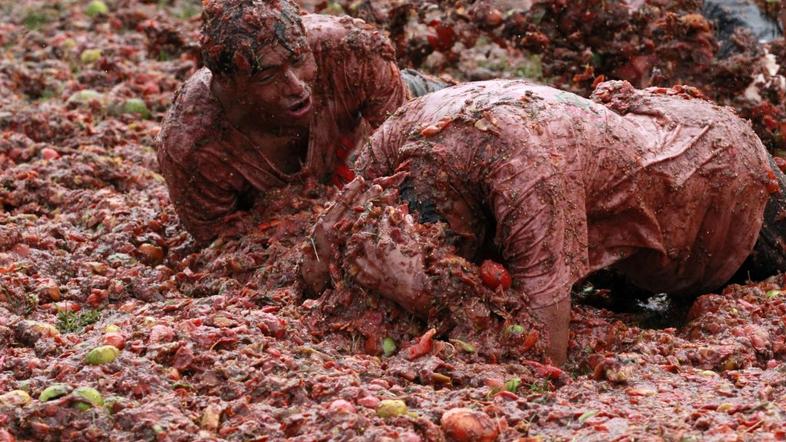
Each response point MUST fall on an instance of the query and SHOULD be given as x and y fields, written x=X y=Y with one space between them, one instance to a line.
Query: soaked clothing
x=666 y=187
x=212 y=170
x=769 y=253
x=419 y=84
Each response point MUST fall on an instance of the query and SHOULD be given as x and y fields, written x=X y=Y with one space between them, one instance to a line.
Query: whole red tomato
x=494 y=275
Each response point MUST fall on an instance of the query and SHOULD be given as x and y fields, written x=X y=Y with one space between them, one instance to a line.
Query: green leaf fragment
x=586 y=415
x=68 y=44
x=539 y=387
x=515 y=329
x=184 y=385
x=35 y=19
x=334 y=9
x=512 y=384
x=85 y=96
x=466 y=347
x=136 y=106
x=70 y=322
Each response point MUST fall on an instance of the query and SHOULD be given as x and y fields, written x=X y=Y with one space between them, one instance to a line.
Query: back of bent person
x=662 y=185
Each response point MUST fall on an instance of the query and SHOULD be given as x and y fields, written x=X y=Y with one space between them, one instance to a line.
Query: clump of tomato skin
x=495 y=275
x=773 y=185
x=443 y=37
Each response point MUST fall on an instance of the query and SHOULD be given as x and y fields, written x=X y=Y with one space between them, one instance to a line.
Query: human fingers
x=342 y=203
x=350 y=193
x=392 y=181
x=366 y=273
x=314 y=269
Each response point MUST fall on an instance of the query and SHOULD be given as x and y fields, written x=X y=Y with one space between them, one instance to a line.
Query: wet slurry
x=223 y=343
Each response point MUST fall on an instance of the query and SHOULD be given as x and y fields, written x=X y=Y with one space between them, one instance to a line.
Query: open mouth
x=300 y=108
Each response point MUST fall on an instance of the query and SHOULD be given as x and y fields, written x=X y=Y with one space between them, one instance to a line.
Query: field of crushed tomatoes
x=115 y=326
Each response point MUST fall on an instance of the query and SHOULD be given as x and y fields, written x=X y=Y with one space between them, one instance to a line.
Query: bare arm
x=385 y=90
x=541 y=232
x=383 y=249
x=206 y=205
x=203 y=187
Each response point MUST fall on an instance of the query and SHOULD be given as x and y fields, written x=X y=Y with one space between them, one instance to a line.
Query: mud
x=217 y=342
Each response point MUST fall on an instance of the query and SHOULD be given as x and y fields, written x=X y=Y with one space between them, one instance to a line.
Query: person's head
x=260 y=59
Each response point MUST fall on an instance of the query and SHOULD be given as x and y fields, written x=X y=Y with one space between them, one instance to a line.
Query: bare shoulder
x=192 y=120
x=328 y=33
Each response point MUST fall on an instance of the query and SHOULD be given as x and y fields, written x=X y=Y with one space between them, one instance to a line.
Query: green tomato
x=102 y=355
x=87 y=398
x=54 y=391
x=95 y=8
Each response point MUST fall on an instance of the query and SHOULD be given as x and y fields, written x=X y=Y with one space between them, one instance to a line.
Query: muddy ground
x=221 y=343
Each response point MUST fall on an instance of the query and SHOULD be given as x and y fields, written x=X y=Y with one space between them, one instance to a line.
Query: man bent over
x=660 y=184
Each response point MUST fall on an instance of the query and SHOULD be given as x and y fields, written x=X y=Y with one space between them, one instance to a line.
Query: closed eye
x=265 y=76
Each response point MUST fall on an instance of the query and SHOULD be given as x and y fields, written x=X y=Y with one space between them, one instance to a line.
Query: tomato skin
x=443 y=36
x=495 y=275
x=114 y=339
x=434 y=129
x=531 y=339
x=780 y=162
x=773 y=185
x=422 y=347
x=97 y=297
x=48 y=153
x=5 y=436
x=464 y=424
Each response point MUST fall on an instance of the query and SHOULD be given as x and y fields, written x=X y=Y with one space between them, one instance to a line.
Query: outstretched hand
x=331 y=230
x=388 y=257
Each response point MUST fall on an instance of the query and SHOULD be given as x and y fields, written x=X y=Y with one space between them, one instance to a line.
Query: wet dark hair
x=235 y=33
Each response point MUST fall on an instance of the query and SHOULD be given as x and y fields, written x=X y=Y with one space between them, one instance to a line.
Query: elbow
x=202 y=232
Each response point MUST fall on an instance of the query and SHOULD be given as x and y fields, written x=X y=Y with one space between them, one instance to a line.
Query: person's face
x=280 y=91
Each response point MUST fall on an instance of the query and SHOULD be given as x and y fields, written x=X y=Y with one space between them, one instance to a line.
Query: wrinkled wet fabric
x=769 y=254
x=664 y=185
x=213 y=170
